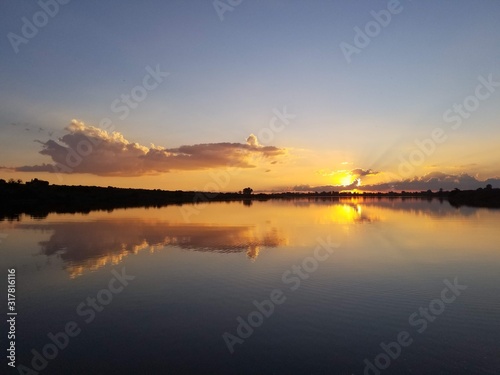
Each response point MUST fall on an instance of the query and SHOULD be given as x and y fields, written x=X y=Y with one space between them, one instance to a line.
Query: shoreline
x=38 y=198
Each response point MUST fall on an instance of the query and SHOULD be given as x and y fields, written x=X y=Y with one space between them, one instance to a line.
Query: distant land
x=38 y=198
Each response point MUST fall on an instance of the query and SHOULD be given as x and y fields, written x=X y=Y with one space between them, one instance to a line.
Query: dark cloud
x=327 y=188
x=86 y=149
x=358 y=172
x=434 y=181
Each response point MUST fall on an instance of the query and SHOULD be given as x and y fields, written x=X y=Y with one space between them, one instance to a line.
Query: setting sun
x=347 y=180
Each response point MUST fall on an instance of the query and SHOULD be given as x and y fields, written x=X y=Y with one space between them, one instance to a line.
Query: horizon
x=299 y=192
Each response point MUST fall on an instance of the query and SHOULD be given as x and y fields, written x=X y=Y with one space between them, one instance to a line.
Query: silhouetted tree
x=489 y=187
x=247 y=191
x=35 y=182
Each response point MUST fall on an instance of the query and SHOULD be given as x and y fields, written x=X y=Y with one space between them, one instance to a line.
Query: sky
x=275 y=95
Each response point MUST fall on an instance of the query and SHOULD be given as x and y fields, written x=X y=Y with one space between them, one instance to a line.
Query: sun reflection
x=347 y=213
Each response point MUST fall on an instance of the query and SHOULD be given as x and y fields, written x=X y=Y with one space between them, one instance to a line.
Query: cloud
x=87 y=149
x=433 y=181
x=358 y=172
x=326 y=188
x=354 y=174
x=252 y=140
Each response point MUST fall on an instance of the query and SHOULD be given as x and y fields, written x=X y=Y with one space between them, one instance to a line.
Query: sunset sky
x=276 y=95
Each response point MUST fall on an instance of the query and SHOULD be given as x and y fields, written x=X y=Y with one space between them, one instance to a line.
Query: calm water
x=346 y=279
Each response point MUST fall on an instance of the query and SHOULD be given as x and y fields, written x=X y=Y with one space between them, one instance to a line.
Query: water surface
x=198 y=271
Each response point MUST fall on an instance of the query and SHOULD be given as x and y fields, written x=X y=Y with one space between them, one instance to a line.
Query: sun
x=347 y=180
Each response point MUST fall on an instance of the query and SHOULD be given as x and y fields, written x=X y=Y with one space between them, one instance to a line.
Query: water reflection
x=87 y=246
x=393 y=257
x=90 y=242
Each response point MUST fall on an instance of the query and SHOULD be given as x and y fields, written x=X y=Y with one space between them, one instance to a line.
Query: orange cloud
x=87 y=149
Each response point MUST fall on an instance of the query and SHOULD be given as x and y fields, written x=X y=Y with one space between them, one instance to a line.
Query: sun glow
x=347 y=180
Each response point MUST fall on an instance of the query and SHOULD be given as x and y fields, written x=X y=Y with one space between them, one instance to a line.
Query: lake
x=350 y=286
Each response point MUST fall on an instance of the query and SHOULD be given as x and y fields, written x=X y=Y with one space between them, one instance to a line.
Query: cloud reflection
x=88 y=246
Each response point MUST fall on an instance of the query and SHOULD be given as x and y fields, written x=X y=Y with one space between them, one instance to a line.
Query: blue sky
x=226 y=77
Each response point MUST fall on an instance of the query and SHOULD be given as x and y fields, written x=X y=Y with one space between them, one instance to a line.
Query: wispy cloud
x=358 y=172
